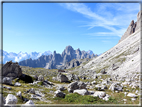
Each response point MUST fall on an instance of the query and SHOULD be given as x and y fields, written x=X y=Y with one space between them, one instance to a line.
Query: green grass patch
x=40 y=83
x=75 y=98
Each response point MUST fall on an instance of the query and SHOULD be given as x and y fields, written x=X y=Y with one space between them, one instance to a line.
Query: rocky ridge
x=121 y=61
x=52 y=61
x=134 y=26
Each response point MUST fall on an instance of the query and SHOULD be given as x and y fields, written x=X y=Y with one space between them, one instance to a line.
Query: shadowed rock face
x=11 y=70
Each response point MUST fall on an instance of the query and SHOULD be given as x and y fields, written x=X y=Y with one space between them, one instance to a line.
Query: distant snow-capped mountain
x=16 y=57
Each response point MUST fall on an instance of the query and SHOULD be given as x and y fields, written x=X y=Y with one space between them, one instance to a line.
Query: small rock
x=54 y=78
x=34 y=97
x=32 y=91
x=95 y=76
x=133 y=99
x=125 y=100
x=19 y=94
x=136 y=91
x=132 y=95
x=105 y=82
x=9 y=88
x=93 y=82
x=91 y=92
x=109 y=79
x=103 y=71
x=61 y=88
x=125 y=93
x=17 y=84
x=29 y=103
x=100 y=94
x=41 y=78
x=106 y=98
x=7 y=80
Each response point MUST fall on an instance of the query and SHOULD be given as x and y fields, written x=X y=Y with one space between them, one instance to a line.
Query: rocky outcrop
x=52 y=61
x=11 y=70
x=77 y=62
x=76 y=85
x=62 y=78
x=133 y=26
x=72 y=77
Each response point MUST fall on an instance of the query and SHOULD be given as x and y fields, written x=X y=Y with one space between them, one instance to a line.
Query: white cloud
x=114 y=17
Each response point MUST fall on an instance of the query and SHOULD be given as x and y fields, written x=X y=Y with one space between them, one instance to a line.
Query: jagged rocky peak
x=134 y=26
x=54 y=53
x=78 y=51
x=68 y=50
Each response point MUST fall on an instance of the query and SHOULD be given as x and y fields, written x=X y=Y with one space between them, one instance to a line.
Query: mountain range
x=16 y=57
x=53 y=61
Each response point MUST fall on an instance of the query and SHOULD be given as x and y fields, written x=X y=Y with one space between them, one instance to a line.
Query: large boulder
x=11 y=70
x=81 y=91
x=62 y=78
x=11 y=99
x=76 y=85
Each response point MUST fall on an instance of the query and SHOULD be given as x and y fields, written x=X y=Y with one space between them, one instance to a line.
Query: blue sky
x=41 y=27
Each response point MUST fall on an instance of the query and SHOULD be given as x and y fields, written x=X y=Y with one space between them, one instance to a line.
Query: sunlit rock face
x=134 y=26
